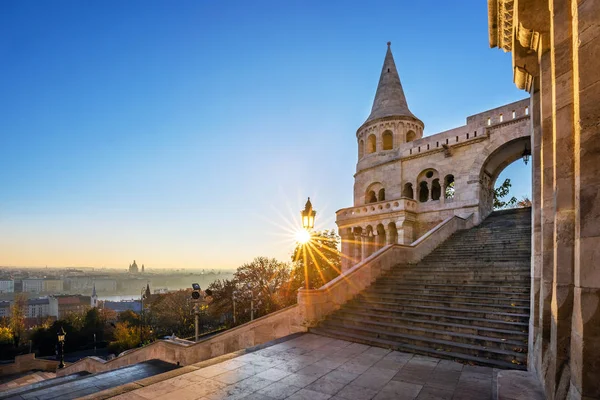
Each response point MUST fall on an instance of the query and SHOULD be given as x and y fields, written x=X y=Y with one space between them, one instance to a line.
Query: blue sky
x=189 y=134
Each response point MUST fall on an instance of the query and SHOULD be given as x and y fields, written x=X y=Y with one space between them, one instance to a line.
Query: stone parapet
x=28 y=362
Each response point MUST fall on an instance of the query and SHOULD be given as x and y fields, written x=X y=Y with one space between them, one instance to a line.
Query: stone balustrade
x=381 y=207
x=28 y=362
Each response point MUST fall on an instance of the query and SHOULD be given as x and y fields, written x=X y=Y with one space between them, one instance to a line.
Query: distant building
x=52 y=285
x=72 y=304
x=42 y=307
x=120 y=306
x=7 y=286
x=105 y=285
x=33 y=285
x=143 y=269
x=4 y=308
x=133 y=268
x=94 y=298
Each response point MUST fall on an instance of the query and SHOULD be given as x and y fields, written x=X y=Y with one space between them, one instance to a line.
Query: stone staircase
x=83 y=383
x=468 y=300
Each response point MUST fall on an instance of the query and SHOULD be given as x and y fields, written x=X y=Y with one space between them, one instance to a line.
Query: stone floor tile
x=399 y=356
x=397 y=390
x=313 y=370
x=342 y=376
x=367 y=359
x=353 y=367
x=255 y=383
x=229 y=392
x=191 y=392
x=211 y=371
x=469 y=393
x=451 y=365
x=374 y=378
x=425 y=358
x=418 y=374
x=278 y=390
x=231 y=364
x=444 y=379
x=477 y=369
x=433 y=393
x=326 y=385
x=255 y=396
x=155 y=390
x=298 y=380
x=273 y=374
x=128 y=396
x=377 y=351
x=231 y=377
x=329 y=363
x=390 y=364
x=353 y=392
x=305 y=394
x=185 y=380
x=297 y=364
x=253 y=369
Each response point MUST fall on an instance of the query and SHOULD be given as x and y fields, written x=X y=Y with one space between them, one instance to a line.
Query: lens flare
x=302 y=236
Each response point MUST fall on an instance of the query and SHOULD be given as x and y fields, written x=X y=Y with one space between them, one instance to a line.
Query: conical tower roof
x=389 y=99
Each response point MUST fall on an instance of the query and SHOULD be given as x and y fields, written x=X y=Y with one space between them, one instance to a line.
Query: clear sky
x=189 y=133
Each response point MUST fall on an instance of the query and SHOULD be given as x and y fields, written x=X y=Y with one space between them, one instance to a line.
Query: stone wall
x=28 y=362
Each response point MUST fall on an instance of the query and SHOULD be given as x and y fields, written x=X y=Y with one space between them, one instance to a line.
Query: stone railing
x=313 y=306
x=381 y=207
x=316 y=304
x=28 y=362
x=273 y=326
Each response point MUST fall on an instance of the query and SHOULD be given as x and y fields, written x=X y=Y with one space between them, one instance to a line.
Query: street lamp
x=308 y=216
x=198 y=298
x=526 y=154
x=61 y=340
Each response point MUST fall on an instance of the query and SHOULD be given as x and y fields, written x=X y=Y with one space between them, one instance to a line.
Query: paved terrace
x=311 y=367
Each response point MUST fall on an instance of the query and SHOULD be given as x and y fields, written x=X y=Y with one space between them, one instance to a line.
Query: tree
x=126 y=337
x=222 y=294
x=501 y=192
x=172 y=313
x=129 y=316
x=524 y=202
x=17 y=317
x=263 y=277
x=316 y=262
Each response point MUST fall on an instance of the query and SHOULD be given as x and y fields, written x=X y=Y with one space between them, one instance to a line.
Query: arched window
x=436 y=189
x=423 y=192
x=371 y=197
x=393 y=233
x=381 y=196
x=388 y=140
x=408 y=191
x=410 y=136
x=449 y=186
x=361 y=148
x=381 y=240
x=371 y=144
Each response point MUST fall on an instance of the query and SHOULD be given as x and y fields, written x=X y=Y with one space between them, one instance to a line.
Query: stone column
x=561 y=53
x=585 y=336
x=534 y=359
x=547 y=214
x=347 y=248
x=358 y=254
x=365 y=245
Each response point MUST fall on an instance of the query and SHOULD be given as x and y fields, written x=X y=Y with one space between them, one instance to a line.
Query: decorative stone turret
x=94 y=298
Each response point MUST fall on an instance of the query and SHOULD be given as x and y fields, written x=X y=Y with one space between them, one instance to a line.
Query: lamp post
x=197 y=299
x=61 y=340
x=142 y=296
x=233 y=301
x=526 y=154
x=308 y=216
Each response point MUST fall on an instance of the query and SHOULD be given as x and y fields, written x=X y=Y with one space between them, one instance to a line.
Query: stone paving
x=312 y=367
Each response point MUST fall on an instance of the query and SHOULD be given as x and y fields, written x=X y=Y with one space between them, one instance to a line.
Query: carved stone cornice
x=500 y=19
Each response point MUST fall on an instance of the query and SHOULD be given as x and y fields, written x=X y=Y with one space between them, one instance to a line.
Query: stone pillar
x=561 y=53
x=547 y=215
x=358 y=254
x=534 y=359
x=405 y=230
x=347 y=248
x=585 y=336
x=365 y=246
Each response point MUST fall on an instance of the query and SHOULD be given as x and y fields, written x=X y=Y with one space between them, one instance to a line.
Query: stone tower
x=94 y=298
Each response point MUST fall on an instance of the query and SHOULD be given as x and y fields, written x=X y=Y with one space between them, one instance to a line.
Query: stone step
x=435 y=348
x=431 y=315
x=473 y=275
x=459 y=287
x=454 y=311
x=504 y=307
x=373 y=294
x=448 y=293
x=469 y=326
x=44 y=384
x=425 y=280
x=389 y=331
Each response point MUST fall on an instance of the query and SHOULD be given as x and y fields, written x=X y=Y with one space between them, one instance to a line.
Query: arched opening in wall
x=410 y=136
x=408 y=191
x=381 y=240
x=505 y=178
x=361 y=148
x=388 y=140
x=423 y=192
x=436 y=189
x=371 y=144
x=449 y=186
x=381 y=196
x=371 y=197
x=392 y=233
x=369 y=240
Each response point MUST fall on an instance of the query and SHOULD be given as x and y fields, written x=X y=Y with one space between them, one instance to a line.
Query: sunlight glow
x=303 y=236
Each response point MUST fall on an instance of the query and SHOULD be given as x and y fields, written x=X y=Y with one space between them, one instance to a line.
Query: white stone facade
x=405 y=183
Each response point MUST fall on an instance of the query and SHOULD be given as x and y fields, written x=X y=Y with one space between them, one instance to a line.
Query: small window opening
x=457 y=138
x=514 y=114
x=449 y=186
x=410 y=151
x=475 y=135
x=381 y=196
x=429 y=174
x=526 y=110
x=423 y=192
x=446 y=141
x=419 y=149
x=489 y=121
x=427 y=146
x=436 y=189
x=467 y=135
x=388 y=70
x=501 y=117
x=437 y=144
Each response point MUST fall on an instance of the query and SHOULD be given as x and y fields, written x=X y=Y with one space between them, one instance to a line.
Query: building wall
x=33 y=285
x=7 y=286
x=53 y=285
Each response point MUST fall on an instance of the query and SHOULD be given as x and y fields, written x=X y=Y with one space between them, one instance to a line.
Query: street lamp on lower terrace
x=61 y=341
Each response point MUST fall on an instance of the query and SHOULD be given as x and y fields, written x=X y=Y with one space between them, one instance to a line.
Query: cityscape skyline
x=171 y=134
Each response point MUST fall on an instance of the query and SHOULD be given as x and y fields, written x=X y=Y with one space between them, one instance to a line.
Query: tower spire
x=389 y=99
